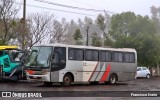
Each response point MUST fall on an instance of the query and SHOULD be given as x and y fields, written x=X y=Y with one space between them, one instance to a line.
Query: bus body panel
x=88 y=69
x=55 y=76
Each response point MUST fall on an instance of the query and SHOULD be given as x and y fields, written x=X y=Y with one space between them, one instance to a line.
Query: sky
x=141 y=7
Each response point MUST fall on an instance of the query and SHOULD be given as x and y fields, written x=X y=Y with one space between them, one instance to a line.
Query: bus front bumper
x=45 y=77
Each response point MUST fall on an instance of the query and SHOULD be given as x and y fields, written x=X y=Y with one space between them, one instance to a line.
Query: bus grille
x=31 y=77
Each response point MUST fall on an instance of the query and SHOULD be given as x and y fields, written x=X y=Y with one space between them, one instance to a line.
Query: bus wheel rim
x=113 y=79
x=67 y=80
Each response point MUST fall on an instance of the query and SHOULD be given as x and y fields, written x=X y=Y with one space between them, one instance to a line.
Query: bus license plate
x=34 y=76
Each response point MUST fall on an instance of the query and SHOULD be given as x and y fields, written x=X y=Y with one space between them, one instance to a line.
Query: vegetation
x=78 y=37
x=134 y=31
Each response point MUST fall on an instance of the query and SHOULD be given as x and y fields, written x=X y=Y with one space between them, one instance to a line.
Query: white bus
x=71 y=63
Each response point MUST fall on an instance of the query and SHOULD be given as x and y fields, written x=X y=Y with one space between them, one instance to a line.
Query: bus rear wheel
x=112 y=79
x=67 y=80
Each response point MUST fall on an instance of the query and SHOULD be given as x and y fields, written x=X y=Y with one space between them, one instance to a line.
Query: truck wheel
x=112 y=79
x=14 y=78
x=19 y=76
x=67 y=80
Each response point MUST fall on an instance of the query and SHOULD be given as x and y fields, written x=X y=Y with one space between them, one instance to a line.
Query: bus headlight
x=44 y=73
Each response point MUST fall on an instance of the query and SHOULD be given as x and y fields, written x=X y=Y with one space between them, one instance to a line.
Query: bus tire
x=112 y=79
x=67 y=80
x=48 y=83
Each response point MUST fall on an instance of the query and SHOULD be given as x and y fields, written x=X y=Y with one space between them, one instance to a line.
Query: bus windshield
x=39 y=57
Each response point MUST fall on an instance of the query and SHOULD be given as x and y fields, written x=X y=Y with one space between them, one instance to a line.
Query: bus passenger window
x=75 y=54
x=129 y=57
x=102 y=56
x=108 y=56
x=117 y=56
x=94 y=55
x=132 y=57
x=91 y=55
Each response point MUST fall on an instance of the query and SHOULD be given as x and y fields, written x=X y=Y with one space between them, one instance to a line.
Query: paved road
x=152 y=84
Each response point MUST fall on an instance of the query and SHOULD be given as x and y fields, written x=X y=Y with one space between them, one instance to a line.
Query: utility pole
x=24 y=25
x=87 y=38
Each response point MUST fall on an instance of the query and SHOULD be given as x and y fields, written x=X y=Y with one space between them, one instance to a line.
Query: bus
x=68 y=64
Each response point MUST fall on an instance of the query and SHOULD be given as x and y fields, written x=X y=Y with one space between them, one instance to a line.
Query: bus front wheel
x=112 y=79
x=67 y=80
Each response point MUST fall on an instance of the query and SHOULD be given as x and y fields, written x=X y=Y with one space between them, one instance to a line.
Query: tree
x=8 y=12
x=59 y=32
x=101 y=23
x=156 y=18
x=78 y=37
x=38 y=27
x=96 y=41
x=104 y=22
x=134 y=31
x=72 y=26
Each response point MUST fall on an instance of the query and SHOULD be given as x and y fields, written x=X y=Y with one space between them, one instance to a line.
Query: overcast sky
x=141 y=7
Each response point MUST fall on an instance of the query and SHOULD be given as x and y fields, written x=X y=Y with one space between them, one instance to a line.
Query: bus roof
x=8 y=47
x=90 y=47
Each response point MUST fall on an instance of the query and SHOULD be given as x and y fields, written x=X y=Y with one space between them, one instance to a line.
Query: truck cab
x=11 y=63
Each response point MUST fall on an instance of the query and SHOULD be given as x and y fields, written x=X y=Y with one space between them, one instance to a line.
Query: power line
x=73 y=7
x=56 y=9
x=84 y=3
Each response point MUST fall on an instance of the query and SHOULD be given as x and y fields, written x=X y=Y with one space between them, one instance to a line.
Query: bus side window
x=102 y=56
x=59 y=55
x=91 y=55
x=58 y=58
x=117 y=56
x=108 y=56
x=75 y=54
x=129 y=57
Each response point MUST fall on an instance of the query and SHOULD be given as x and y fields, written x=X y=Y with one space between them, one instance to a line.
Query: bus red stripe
x=93 y=71
x=105 y=74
